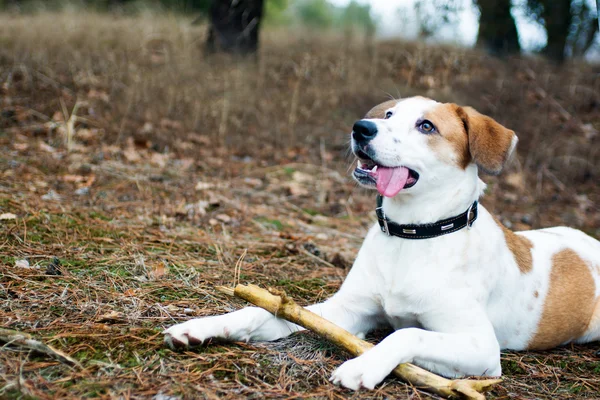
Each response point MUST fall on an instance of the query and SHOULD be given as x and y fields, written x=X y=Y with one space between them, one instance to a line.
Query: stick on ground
x=24 y=340
x=280 y=305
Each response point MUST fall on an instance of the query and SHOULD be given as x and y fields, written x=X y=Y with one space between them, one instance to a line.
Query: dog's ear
x=490 y=144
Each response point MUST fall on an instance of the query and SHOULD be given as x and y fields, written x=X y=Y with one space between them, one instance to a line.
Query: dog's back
x=569 y=264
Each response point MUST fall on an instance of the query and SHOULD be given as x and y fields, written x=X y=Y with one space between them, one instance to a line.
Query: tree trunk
x=557 y=20
x=497 y=29
x=234 y=26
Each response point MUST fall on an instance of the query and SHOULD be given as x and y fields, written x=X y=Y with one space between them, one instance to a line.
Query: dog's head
x=417 y=143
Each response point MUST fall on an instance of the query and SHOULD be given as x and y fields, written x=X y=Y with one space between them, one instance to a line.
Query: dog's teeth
x=374 y=169
x=359 y=165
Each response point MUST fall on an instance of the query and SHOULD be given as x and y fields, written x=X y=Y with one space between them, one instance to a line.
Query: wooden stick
x=280 y=305
x=24 y=340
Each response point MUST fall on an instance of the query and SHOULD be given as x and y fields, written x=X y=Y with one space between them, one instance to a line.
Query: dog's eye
x=388 y=114
x=426 y=127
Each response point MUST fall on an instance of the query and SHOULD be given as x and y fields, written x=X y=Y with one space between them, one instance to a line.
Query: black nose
x=364 y=130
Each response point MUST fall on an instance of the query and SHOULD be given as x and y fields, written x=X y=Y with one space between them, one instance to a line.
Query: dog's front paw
x=193 y=332
x=359 y=372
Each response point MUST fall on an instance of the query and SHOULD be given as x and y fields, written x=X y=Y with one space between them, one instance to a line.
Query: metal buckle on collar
x=470 y=220
x=385 y=229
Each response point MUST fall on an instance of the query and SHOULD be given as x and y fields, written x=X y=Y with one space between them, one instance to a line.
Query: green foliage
x=321 y=14
x=358 y=16
x=315 y=13
x=276 y=12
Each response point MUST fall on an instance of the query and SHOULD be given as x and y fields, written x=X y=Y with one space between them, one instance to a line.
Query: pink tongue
x=390 y=181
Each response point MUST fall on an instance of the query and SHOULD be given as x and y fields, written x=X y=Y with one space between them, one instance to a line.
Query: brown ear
x=490 y=144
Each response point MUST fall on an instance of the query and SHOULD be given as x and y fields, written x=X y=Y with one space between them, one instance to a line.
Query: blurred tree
x=357 y=16
x=497 y=28
x=234 y=26
x=571 y=26
x=276 y=12
x=315 y=13
x=203 y=6
x=587 y=26
x=431 y=15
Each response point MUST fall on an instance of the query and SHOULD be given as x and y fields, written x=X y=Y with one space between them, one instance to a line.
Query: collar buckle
x=471 y=214
x=384 y=228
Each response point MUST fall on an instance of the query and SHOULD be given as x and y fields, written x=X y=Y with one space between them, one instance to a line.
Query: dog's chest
x=399 y=312
x=413 y=278
x=409 y=273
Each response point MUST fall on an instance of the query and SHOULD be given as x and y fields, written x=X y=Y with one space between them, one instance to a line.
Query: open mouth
x=388 y=180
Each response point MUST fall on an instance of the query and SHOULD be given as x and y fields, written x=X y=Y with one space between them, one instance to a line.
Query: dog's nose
x=364 y=130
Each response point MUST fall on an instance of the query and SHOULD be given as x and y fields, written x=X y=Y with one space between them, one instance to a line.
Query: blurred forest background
x=149 y=149
x=570 y=26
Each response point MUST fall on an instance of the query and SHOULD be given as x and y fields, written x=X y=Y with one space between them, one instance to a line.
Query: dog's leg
x=256 y=324
x=473 y=350
x=250 y=323
x=352 y=308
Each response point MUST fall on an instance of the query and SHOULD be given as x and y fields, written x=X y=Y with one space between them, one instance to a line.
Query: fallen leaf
x=171 y=125
x=111 y=316
x=204 y=186
x=254 y=182
x=131 y=155
x=302 y=177
x=172 y=308
x=98 y=94
x=91 y=179
x=224 y=218
x=86 y=134
x=47 y=148
x=158 y=159
x=158 y=270
x=199 y=139
x=58 y=116
x=73 y=178
x=148 y=128
x=296 y=189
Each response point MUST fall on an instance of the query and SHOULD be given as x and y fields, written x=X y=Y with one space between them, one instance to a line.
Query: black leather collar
x=427 y=231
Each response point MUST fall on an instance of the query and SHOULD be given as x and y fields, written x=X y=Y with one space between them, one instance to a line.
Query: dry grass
x=139 y=173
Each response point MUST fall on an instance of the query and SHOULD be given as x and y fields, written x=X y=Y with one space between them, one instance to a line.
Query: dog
x=453 y=282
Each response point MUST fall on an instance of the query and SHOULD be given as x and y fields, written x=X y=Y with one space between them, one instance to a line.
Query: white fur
x=454 y=300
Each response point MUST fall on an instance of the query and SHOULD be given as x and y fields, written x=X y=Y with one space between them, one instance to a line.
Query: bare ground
x=135 y=174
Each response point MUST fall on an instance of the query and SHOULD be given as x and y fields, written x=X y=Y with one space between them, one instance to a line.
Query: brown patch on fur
x=520 y=246
x=489 y=142
x=452 y=130
x=569 y=303
x=378 y=112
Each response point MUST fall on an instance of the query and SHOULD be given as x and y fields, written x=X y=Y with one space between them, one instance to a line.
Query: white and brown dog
x=454 y=283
